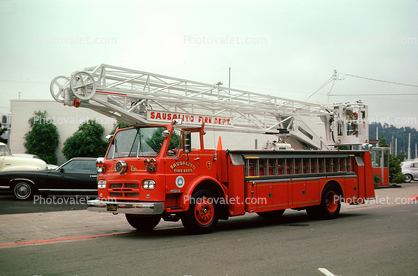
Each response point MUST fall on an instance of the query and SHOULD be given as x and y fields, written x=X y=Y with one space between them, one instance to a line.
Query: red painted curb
x=65 y=239
x=413 y=198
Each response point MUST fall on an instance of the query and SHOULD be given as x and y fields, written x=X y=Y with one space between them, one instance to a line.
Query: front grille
x=124 y=190
x=113 y=186
x=132 y=185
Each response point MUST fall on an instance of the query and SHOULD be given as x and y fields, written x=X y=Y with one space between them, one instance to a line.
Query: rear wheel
x=143 y=223
x=23 y=190
x=408 y=178
x=330 y=204
x=203 y=213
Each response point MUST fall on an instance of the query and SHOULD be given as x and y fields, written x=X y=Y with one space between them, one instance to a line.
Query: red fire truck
x=153 y=171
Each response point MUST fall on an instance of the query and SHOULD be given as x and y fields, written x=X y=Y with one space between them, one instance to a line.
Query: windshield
x=4 y=150
x=146 y=141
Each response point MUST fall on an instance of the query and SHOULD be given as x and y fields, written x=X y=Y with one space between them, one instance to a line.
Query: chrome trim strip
x=143 y=208
x=67 y=190
x=4 y=187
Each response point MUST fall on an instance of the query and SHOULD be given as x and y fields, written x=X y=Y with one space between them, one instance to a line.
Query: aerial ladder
x=142 y=98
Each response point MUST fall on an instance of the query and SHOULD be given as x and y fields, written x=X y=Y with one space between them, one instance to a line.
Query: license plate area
x=111 y=207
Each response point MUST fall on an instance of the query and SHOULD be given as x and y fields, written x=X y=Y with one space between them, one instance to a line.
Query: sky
x=282 y=48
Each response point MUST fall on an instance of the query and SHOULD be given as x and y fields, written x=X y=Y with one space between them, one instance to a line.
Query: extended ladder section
x=141 y=98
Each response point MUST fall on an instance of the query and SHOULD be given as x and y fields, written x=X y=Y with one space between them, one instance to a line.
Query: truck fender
x=203 y=181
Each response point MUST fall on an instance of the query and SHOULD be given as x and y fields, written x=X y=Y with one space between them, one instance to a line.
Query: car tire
x=143 y=223
x=203 y=213
x=23 y=190
x=330 y=204
x=409 y=178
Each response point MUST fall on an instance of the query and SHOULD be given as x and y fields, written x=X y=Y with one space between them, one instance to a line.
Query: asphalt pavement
x=30 y=228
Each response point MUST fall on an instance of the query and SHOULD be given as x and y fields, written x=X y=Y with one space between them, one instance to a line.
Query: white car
x=410 y=170
x=8 y=162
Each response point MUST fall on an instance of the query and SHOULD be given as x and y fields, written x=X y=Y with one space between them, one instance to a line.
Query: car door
x=75 y=176
x=414 y=170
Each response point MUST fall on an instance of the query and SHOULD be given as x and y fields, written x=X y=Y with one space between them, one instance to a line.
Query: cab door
x=180 y=170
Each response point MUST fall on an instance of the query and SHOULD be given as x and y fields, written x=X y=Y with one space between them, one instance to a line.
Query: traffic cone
x=219 y=147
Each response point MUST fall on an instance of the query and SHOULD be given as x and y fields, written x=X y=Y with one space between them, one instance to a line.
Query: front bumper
x=110 y=206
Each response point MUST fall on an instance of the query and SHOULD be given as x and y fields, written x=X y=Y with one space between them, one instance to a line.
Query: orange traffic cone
x=219 y=147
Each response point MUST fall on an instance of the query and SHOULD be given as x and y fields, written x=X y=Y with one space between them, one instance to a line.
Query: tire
x=203 y=213
x=408 y=178
x=23 y=190
x=143 y=223
x=330 y=204
x=271 y=214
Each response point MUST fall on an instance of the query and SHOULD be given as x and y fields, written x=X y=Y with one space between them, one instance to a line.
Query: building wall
x=66 y=119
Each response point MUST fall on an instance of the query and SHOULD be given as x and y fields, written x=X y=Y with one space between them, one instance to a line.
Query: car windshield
x=4 y=150
x=145 y=141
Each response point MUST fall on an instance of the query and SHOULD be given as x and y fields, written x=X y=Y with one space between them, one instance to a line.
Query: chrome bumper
x=109 y=206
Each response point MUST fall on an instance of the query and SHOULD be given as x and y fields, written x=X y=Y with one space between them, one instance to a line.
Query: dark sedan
x=77 y=176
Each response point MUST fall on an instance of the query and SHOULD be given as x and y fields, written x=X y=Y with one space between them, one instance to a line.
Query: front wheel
x=330 y=204
x=143 y=223
x=408 y=178
x=23 y=190
x=203 y=213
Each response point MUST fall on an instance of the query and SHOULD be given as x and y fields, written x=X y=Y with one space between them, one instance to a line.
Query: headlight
x=148 y=184
x=101 y=184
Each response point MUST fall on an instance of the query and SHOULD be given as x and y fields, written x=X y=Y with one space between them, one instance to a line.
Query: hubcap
x=332 y=201
x=22 y=191
x=204 y=211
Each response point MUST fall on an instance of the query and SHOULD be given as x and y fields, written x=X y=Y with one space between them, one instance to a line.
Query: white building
x=66 y=119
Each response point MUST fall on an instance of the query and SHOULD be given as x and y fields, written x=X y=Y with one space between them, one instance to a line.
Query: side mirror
x=187 y=141
x=166 y=133
x=108 y=138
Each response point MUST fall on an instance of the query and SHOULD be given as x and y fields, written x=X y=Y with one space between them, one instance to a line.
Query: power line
x=391 y=82
x=415 y=94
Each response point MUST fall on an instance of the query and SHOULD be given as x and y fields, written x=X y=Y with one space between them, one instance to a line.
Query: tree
x=86 y=141
x=43 y=138
x=395 y=170
x=118 y=125
x=2 y=131
x=382 y=142
x=156 y=140
x=402 y=156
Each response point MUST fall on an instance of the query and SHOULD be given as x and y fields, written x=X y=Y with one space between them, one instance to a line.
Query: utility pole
x=409 y=147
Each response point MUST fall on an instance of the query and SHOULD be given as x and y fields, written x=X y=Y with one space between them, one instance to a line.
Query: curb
x=389 y=186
